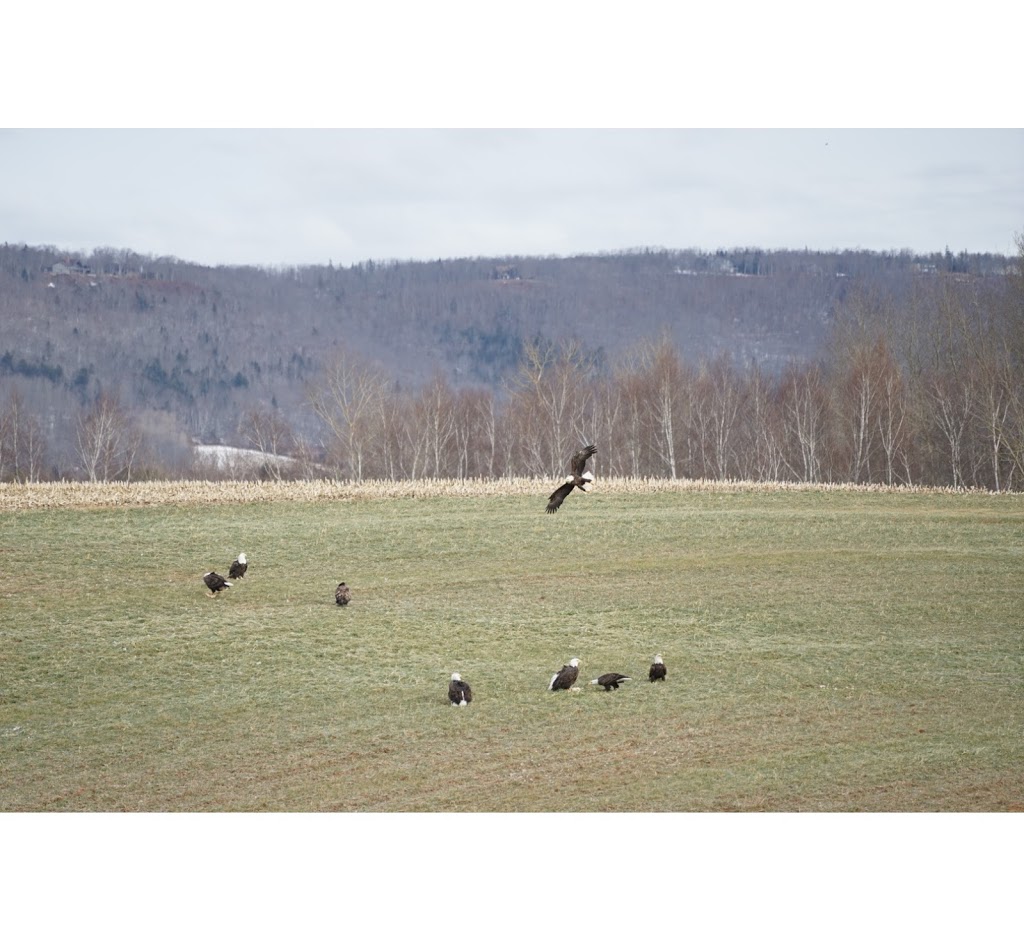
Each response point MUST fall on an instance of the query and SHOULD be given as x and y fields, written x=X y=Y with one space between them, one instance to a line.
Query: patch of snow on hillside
x=224 y=457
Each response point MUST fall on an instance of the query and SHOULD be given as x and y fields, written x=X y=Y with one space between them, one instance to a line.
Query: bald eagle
x=238 y=567
x=566 y=676
x=215 y=582
x=459 y=692
x=580 y=477
x=342 y=594
x=658 y=670
x=610 y=680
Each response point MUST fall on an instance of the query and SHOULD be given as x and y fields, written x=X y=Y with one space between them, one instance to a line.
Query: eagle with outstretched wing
x=580 y=478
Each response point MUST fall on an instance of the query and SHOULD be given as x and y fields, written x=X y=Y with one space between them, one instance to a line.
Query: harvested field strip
x=15 y=496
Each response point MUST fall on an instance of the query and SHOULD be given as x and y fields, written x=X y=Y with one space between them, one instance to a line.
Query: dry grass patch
x=65 y=494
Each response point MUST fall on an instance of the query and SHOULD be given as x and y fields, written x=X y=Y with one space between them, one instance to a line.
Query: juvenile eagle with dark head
x=342 y=594
x=610 y=680
x=658 y=670
x=566 y=676
x=459 y=692
x=215 y=582
x=239 y=566
x=580 y=477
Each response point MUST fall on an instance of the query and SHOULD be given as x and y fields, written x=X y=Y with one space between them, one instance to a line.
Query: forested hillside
x=280 y=360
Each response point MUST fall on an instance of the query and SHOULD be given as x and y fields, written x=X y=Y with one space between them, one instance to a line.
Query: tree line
x=920 y=389
x=203 y=343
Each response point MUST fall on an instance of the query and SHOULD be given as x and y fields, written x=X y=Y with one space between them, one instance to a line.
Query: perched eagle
x=238 y=567
x=459 y=692
x=658 y=670
x=342 y=594
x=581 y=477
x=566 y=676
x=215 y=582
x=610 y=680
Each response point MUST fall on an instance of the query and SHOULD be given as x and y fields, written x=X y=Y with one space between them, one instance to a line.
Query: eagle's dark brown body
x=342 y=594
x=566 y=676
x=239 y=567
x=581 y=478
x=610 y=680
x=459 y=692
x=215 y=582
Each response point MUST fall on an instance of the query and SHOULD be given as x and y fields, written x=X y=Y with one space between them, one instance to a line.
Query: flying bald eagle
x=581 y=477
x=238 y=567
x=566 y=676
x=658 y=670
x=459 y=692
x=610 y=680
x=342 y=594
x=215 y=582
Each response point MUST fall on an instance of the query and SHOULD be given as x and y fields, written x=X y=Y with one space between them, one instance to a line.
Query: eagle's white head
x=574 y=662
x=241 y=557
x=659 y=660
x=456 y=677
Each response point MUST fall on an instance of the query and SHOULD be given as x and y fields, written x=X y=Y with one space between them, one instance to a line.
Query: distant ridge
x=189 y=348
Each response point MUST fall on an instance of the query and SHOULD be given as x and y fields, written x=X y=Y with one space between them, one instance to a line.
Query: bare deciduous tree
x=667 y=384
x=269 y=433
x=892 y=419
x=108 y=440
x=725 y=400
x=347 y=400
x=553 y=398
x=435 y=416
x=804 y=398
x=22 y=443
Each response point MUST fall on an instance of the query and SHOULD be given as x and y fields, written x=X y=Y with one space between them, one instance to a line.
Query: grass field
x=828 y=650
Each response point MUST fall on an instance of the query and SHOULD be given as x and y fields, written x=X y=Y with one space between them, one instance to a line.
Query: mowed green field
x=828 y=650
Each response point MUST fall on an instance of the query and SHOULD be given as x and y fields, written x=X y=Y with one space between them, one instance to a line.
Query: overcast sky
x=220 y=196
x=309 y=196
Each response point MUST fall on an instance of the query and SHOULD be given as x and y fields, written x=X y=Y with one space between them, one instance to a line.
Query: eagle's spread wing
x=580 y=458
x=555 y=500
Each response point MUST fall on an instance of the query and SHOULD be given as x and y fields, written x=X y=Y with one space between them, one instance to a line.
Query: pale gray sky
x=296 y=196
x=309 y=196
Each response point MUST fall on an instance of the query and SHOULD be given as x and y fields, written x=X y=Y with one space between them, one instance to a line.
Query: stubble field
x=828 y=650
